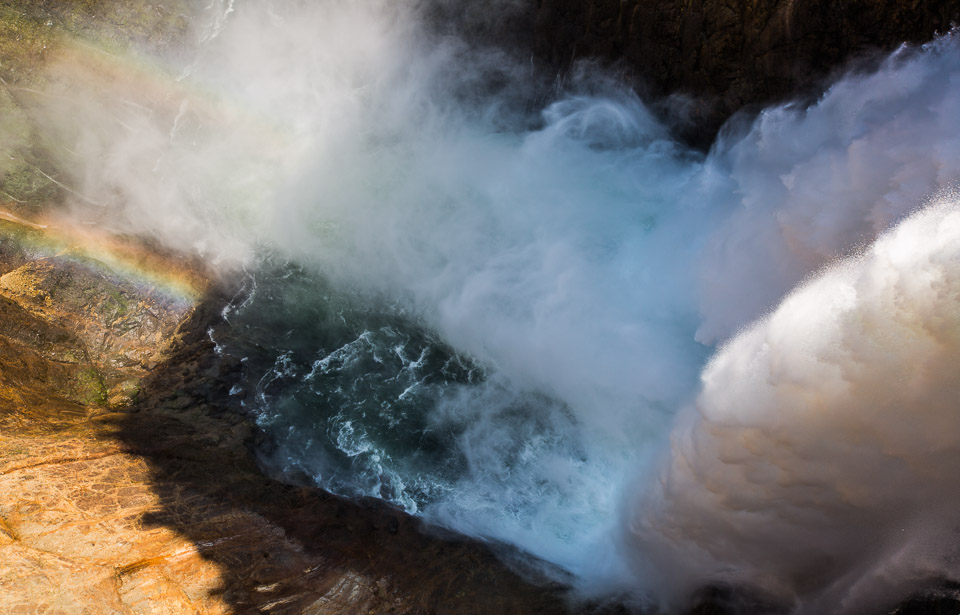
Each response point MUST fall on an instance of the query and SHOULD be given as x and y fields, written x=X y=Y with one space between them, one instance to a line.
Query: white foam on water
x=588 y=265
x=819 y=461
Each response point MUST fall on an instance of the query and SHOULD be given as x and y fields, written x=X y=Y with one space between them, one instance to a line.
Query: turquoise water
x=490 y=296
x=346 y=387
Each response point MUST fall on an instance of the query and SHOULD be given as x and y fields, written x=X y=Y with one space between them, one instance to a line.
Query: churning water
x=497 y=306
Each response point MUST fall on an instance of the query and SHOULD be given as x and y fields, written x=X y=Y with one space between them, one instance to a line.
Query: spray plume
x=819 y=459
x=588 y=263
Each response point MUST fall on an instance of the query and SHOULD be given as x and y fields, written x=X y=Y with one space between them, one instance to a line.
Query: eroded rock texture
x=127 y=484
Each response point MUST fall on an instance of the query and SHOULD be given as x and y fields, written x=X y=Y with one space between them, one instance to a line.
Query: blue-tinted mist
x=490 y=306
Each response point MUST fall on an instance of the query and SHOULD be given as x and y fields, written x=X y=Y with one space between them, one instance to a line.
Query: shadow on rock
x=287 y=549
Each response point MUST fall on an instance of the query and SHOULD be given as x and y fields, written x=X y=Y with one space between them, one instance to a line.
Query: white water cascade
x=502 y=317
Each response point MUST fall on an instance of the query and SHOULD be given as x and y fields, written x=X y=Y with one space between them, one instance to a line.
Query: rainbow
x=177 y=277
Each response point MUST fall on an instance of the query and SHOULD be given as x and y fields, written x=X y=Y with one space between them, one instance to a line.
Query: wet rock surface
x=295 y=549
x=155 y=504
x=128 y=479
x=145 y=496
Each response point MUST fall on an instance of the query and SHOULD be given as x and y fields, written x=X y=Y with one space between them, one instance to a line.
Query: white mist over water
x=589 y=260
x=820 y=459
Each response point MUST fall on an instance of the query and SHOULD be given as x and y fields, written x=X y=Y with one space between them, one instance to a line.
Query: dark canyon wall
x=727 y=54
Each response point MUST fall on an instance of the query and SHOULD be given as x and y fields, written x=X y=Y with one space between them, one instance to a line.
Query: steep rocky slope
x=127 y=484
x=127 y=478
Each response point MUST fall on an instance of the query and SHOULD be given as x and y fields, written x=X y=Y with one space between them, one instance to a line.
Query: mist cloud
x=819 y=459
x=584 y=258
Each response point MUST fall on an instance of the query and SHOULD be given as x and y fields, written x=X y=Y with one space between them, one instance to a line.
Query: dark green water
x=359 y=396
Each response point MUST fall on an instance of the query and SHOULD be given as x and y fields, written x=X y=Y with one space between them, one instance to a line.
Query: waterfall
x=500 y=315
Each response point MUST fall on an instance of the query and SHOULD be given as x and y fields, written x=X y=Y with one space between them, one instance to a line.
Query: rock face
x=731 y=53
x=127 y=484
x=127 y=478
